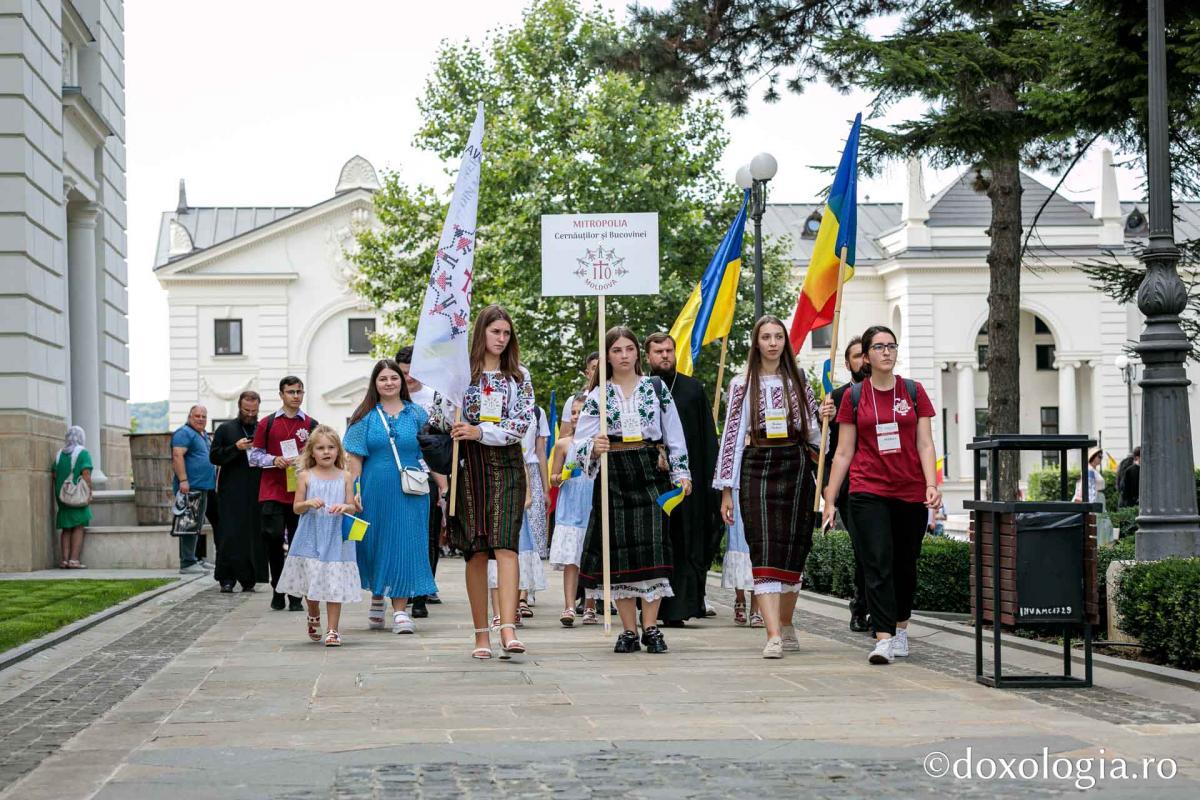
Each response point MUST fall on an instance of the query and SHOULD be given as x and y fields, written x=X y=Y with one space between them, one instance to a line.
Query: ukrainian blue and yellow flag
x=708 y=313
x=552 y=423
x=826 y=379
x=668 y=500
x=839 y=227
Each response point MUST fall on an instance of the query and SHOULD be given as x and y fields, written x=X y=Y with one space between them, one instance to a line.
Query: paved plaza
x=203 y=695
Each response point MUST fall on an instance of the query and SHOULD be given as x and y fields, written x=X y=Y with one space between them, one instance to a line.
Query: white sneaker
x=402 y=623
x=774 y=648
x=900 y=643
x=193 y=569
x=709 y=611
x=882 y=654
x=791 y=642
x=207 y=566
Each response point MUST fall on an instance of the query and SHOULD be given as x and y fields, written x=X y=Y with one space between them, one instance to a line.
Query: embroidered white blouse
x=657 y=415
x=516 y=408
x=737 y=422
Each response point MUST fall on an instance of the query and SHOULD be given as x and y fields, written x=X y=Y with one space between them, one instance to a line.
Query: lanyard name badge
x=887 y=434
x=631 y=423
x=776 y=413
x=490 y=405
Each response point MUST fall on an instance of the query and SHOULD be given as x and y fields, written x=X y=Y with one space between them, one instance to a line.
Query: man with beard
x=241 y=548
x=696 y=527
x=858 y=373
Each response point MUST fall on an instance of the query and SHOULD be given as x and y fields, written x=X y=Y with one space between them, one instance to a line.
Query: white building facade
x=922 y=271
x=64 y=356
x=255 y=294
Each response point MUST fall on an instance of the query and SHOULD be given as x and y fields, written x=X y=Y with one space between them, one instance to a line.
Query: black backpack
x=910 y=386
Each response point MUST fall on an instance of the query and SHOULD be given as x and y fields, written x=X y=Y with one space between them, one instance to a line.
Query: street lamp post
x=1128 y=372
x=762 y=168
x=1168 y=524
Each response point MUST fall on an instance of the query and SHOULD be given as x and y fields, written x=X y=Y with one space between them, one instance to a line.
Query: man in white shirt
x=423 y=396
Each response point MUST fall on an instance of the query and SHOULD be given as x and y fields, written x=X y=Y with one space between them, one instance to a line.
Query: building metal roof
x=961 y=205
x=213 y=225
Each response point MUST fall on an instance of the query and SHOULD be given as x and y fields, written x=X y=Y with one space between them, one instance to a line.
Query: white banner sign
x=594 y=254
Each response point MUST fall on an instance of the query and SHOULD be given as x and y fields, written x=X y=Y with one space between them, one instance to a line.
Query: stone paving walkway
x=248 y=708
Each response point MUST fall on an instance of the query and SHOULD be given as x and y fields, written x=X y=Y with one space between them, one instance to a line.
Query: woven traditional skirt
x=490 y=498
x=639 y=541
x=776 y=499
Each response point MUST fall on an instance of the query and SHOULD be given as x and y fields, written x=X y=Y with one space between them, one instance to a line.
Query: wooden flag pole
x=720 y=379
x=833 y=348
x=602 y=366
x=454 y=464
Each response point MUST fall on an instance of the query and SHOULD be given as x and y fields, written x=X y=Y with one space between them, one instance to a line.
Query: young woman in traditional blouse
x=497 y=409
x=764 y=467
x=641 y=416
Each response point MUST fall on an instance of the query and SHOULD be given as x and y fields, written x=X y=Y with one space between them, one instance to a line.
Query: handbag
x=74 y=493
x=412 y=480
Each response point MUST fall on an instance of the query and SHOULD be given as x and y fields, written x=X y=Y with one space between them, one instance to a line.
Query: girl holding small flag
x=641 y=415
x=320 y=564
x=393 y=558
x=497 y=410
x=772 y=419
x=571 y=515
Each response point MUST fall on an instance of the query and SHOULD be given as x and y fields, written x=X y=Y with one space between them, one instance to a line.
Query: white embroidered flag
x=440 y=355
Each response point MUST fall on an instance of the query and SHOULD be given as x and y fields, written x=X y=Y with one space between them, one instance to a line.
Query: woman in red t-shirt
x=885 y=441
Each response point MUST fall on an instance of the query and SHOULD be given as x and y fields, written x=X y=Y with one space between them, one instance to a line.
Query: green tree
x=562 y=135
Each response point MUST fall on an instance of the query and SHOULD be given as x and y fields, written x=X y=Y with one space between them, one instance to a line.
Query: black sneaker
x=227 y=587
x=247 y=587
x=654 y=641
x=418 y=609
x=627 y=642
x=859 y=624
x=295 y=603
x=277 y=601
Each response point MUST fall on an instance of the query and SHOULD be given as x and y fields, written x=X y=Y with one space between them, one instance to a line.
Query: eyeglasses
x=891 y=347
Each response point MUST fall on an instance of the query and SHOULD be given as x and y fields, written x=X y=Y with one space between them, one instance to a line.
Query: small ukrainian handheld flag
x=353 y=528
x=668 y=500
x=826 y=379
x=570 y=470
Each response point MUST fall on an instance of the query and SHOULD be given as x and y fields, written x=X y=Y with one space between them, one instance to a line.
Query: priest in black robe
x=696 y=526
x=241 y=548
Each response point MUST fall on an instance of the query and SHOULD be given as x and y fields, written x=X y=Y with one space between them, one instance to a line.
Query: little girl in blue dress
x=571 y=515
x=320 y=564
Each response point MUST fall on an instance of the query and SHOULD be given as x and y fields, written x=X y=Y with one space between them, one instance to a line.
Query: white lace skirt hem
x=533 y=573
x=647 y=591
x=736 y=571
x=566 y=546
x=323 y=581
x=775 y=587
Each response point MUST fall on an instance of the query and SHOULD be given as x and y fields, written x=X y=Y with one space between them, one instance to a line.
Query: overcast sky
x=260 y=103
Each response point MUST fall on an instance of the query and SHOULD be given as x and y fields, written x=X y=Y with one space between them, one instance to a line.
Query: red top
x=896 y=475
x=274 y=480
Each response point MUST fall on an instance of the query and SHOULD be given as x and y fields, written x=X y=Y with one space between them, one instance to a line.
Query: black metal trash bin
x=1049 y=567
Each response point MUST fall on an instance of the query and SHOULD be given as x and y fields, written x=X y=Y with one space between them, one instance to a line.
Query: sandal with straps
x=525 y=610
x=514 y=645
x=739 y=614
x=375 y=616
x=333 y=638
x=483 y=653
x=314 y=628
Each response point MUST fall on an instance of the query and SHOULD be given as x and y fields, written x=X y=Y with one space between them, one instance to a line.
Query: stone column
x=85 y=331
x=1068 y=421
x=966 y=418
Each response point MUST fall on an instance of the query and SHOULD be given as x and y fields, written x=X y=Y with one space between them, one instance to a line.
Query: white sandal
x=483 y=653
x=375 y=616
x=514 y=645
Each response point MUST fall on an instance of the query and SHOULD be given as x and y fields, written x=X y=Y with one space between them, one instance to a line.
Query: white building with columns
x=64 y=357
x=922 y=270
x=255 y=294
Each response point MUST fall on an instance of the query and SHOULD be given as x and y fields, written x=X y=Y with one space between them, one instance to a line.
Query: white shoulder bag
x=74 y=493
x=412 y=480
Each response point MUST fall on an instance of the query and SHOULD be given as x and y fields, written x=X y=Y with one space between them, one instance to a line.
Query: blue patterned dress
x=393 y=558
x=320 y=565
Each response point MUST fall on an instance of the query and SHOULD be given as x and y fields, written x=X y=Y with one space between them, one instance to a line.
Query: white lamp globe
x=743 y=178
x=763 y=167
x=1121 y=362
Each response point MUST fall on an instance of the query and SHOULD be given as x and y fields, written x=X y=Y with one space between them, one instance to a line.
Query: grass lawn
x=30 y=609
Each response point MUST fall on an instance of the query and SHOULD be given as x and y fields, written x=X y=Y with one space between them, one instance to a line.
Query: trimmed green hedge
x=1159 y=603
x=1124 y=520
x=1044 y=485
x=943 y=571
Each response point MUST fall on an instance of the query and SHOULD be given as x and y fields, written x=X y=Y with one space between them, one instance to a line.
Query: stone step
x=133 y=547
x=113 y=507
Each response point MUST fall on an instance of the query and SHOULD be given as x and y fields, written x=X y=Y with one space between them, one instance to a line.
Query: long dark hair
x=371 y=399
x=510 y=359
x=789 y=373
x=610 y=338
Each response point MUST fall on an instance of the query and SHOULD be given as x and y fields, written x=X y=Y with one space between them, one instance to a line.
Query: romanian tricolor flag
x=668 y=500
x=940 y=469
x=839 y=226
x=708 y=313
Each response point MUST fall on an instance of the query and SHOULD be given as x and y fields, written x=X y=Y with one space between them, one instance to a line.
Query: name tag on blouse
x=776 y=423
x=490 y=406
x=631 y=426
x=887 y=436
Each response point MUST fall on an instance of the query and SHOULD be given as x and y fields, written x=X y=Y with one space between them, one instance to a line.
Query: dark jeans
x=279 y=523
x=888 y=534
x=858 y=603
x=187 y=541
x=435 y=532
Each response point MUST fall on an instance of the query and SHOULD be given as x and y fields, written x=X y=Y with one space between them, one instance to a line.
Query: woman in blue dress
x=393 y=557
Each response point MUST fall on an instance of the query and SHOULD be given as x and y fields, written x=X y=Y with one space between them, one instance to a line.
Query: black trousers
x=888 y=535
x=858 y=603
x=279 y=523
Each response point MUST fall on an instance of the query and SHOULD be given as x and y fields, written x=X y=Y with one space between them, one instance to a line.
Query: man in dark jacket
x=241 y=548
x=1129 y=479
